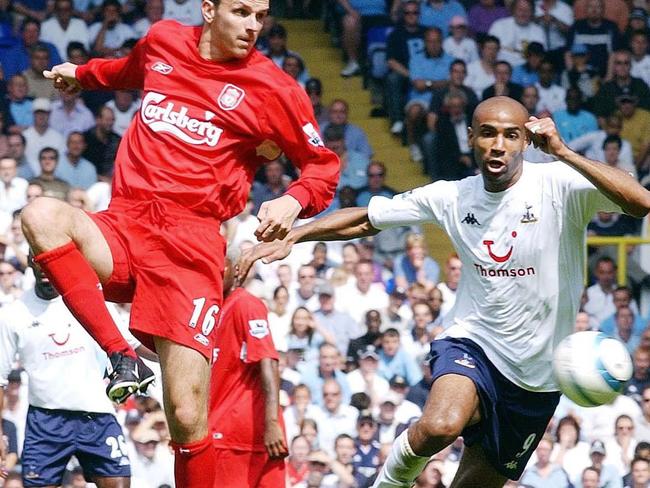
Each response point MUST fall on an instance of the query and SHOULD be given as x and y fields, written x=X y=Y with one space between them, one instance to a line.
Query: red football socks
x=194 y=464
x=77 y=282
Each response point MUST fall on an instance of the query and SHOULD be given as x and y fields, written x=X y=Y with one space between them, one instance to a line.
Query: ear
x=470 y=138
x=208 y=9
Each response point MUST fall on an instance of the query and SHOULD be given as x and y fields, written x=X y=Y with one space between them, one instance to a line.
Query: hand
x=544 y=135
x=267 y=252
x=276 y=218
x=64 y=77
x=276 y=447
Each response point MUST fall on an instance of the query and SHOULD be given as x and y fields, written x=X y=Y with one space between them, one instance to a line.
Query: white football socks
x=402 y=465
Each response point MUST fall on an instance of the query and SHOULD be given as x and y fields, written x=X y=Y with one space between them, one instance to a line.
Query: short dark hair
x=75 y=45
x=46 y=150
x=613 y=139
x=490 y=38
x=457 y=61
x=392 y=332
x=334 y=133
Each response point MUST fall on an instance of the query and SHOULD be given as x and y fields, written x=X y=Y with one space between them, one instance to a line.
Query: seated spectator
x=62 y=28
x=625 y=318
x=517 y=31
x=590 y=478
x=551 y=95
x=376 y=173
x=406 y=409
x=503 y=85
x=579 y=73
x=38 y=85
x=425 y=327
x=34 y=190
x=153 y=11
x=415 y=266
x=341 y=467
x=300 y=409
x=638 y=383
x=622 y=297
x=315 y=374
x=294 y=66
x=15 y=58
x=339 y=324
x=636 y=125
x=366 y=377
x=459 y=45
x=9 y=291
x=73 y=167
x=621 y=83
x=108 y=35
x=448 y=287
x=279 y=317
x=17 y=248
x=419 y=392
x=297 y=464
x=544 y=472
x=592 y=144
x=612 y=148
x=314 y=89
x=278 y=50
x=555 y=17
x=528 y=73
x=530 y=100
x=275 y=185
x=306 y=334
x=615 y=11
x=640 y=473
x=309 y=430
x=53 y=187
x=354 y=164
x=480 y=73
x=640 y=56
x=355 y=137
x=601 y=36
x=20 y=106
x=102 y=143
x=304 y=295
x=366 y=458
x=457 y=77
x=124 y=107
x=363 y=295
x=394 y=360
x=372 y=337
x=600 y=296
x=448 y=155
x=620 y=450
x=321 y=262
x=12 y=190
x=41 y=134
x=608 y=474
x=152 y=461
x=70 y=114
x=574 y=121
x=643 y=422
x=483 y=14
x=335 y=416
x=406 y=40
x=359 y=16
x=439 y=13
x=387 y=422
x=569 y=452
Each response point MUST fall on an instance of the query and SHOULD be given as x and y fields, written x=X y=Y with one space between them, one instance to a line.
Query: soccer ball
x=591 y=368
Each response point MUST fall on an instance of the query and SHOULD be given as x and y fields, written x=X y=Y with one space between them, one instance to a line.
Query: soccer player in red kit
x=244 y=415
x=214 y=110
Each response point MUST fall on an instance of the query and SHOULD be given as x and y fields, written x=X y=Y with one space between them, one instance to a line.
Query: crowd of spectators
x=353 y=321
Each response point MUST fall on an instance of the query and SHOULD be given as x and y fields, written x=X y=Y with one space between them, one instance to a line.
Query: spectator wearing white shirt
x=555 y=17
x=124 y=106
x=153 y=12
x=305 y=295
x=41 y=135
x=366 y=378
x=186 y=12
x=363 y=295
x=70 y=114
x=480 y=73
x=600 y=296
x=73 y=168
x=453 y=269
x=335 y=417
x=301 y=408
x=153 y=462
x=62 y=28
x=640 y=56
x=552 y=97
x=459 y=45
x=108 y=35
x=620 y=450
x=12 y=189
x=517 y=31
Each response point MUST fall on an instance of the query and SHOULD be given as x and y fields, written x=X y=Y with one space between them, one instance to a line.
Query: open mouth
x=495 y=164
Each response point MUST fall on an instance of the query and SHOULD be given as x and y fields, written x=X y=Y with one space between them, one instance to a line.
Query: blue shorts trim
x=513 y=420
x=52 y=437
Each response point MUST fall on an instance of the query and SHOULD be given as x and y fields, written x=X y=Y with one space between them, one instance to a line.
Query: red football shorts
x=168 y=262
x=247 y=469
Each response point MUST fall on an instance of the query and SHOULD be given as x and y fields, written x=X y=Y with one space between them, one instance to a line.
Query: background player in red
x=244 y=417
x=213 y=111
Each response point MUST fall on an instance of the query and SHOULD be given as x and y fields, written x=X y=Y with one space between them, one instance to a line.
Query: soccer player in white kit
x=519 y=229
x=69 y=414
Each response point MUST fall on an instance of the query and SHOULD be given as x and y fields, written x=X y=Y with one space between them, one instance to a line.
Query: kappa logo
x=503 y=258
x=259 y=328
x=313 y=137
x=162 y=68
x=470 y=219
x=466 y=360
x=230 y=97
x=528 y=217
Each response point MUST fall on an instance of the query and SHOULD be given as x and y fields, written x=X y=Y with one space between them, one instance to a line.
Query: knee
x=41 y=215
x=188 y=417
x=442 y=427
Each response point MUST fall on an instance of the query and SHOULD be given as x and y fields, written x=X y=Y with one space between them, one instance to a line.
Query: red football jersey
x=236 y=416
x=205 y=127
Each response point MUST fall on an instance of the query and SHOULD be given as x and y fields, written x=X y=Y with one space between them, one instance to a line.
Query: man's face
x=338 y=113
x=640 y=473
x=63 y=11
x=331 y=396
x=33 y=192
x=390 y=345
x=411 y=14
x=522 y=12
x=31 y=32
x=645 y=403
x=17 y=88
x=590 y=479
x=41 y=119
x=641 y=363
x=490 y=51
x=595 y=10
x=274 y=172
x=457 y=74
x=498 y=138
x=344 y=450
x=530 y=99
x=277 y=44
x=612 y=152
x=543 y=451
x=573 y=100
x=106 y=120
x=366 y=431
x=16 y=147
x=327 y=359
x=456 y=108
x=76 y=145
x=624 y=428
x=375 y=177
x=235 y=25
x=622 y=65
x=326 y=302
x=605 y=273
x=307 y=279
x=7 y=275
x=639 y=45
x=363 y=273
x=7 y=170
x=453 y=270
x=433 y=43
x=502 y=73
x=421 y=315
x=111 y=15
x=48 y=161
x=154 y=10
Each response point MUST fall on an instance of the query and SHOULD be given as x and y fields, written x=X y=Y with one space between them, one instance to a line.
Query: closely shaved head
x=499 y=137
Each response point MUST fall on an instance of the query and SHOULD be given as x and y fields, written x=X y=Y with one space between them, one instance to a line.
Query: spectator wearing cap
x=406 y=409
x=315 y=374
x=39 y=86
x=70 y=114
x=366 y=457
x=372 y=336
x=62 y=28
x=636 y=127
x=40 y=134
x=439 y=13
x=621 y=83
x=516 y=31
x=406 y=40
x=152 y=461
x=376 y=174
x=366 y=377
x=483 y=14
x=459 y=45
x=579 y=72
x=574 y=121
x=616 y=11
x=354 y=164
x=594 y=30
x=555 y=17
x=314 y=89
x=340 y=324
x=362 y=295
x=355 y=137
x=334 y=417
x=528 y=73
x=394 y=360
x=640 y=56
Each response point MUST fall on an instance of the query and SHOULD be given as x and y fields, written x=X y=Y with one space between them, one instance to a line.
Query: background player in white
x=68 y=410
x=523 y=255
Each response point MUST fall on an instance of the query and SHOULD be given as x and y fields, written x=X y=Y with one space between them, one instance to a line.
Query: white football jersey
x=64 y=364
x=523 y=252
